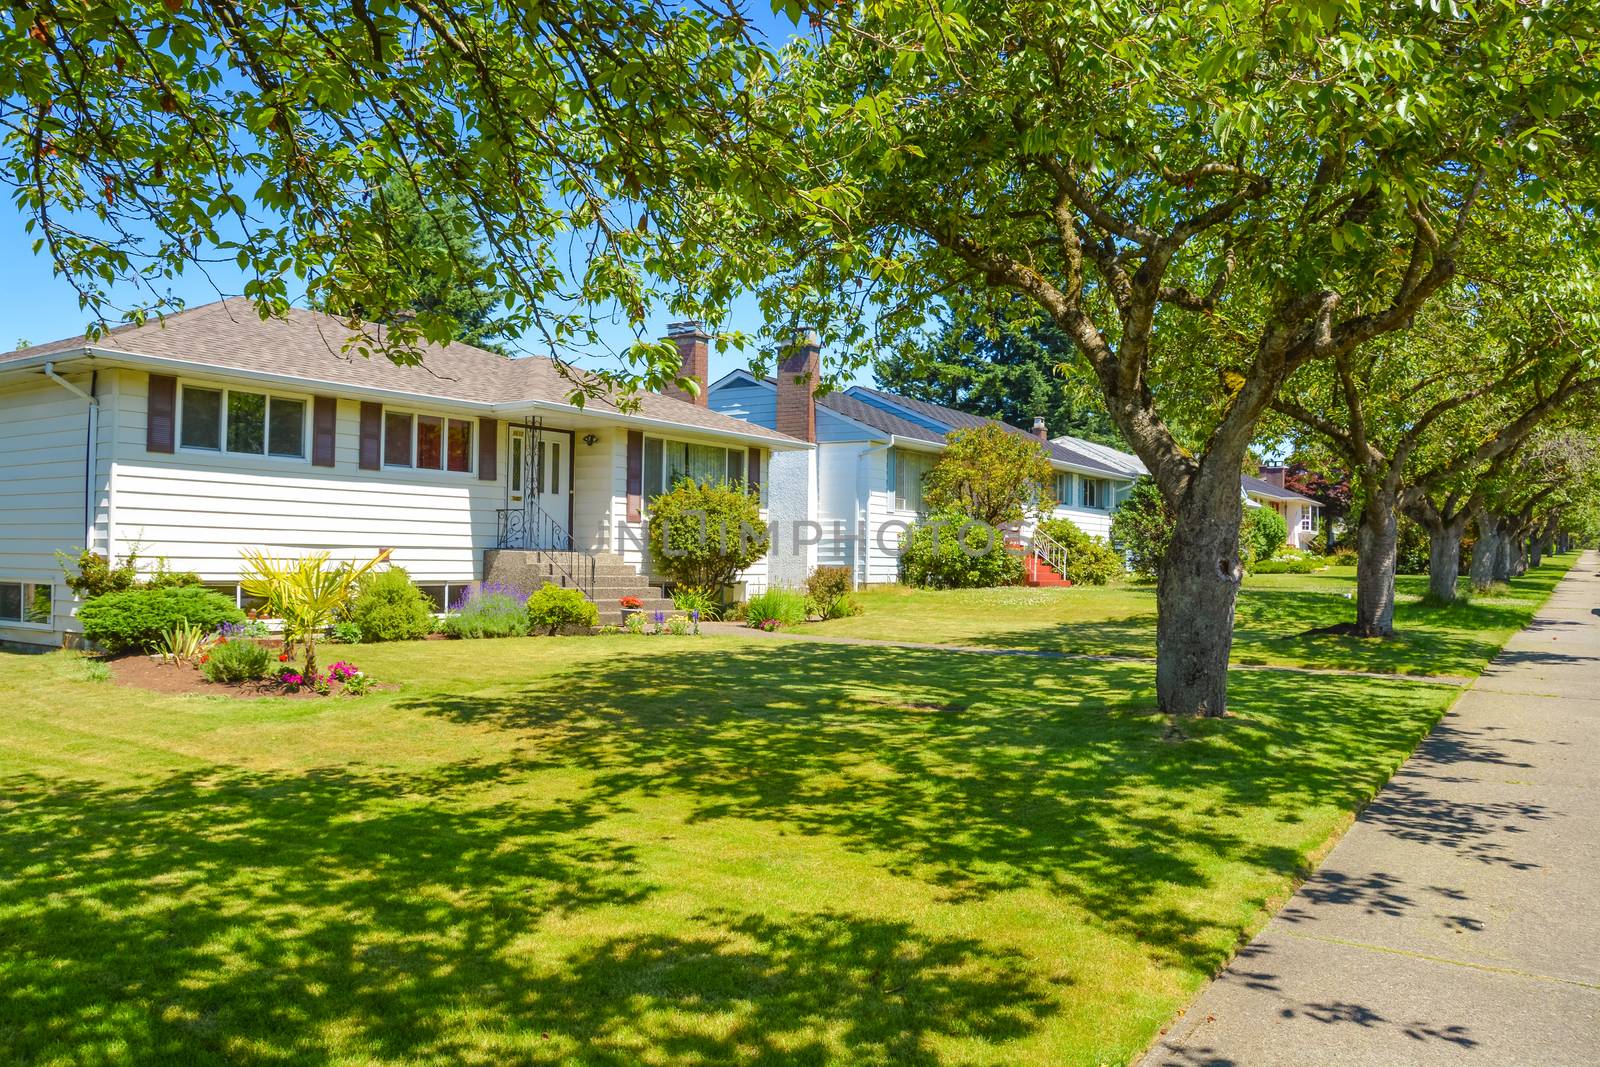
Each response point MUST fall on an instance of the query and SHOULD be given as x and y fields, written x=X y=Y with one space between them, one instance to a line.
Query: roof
x=1272 y=492
x=1126 y=462
x=316 y=348
x=951 y=419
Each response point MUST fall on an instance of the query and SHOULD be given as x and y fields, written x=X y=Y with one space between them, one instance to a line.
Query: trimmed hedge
x=389 y=608
x=134 y=619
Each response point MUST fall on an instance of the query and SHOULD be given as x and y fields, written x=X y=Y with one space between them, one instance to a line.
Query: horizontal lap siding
x=201 y=509
x=43 y=433
x=1093 y=522
x=885 y=521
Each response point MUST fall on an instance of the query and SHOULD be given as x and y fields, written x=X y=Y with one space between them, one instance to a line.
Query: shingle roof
x=952 y=419
x=1267 y=489
x=230 y=335
x=1126 y=462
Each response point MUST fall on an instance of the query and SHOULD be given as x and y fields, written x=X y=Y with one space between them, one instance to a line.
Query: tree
x=305 y=593
x=1415 y=414
x=990 y=474
x=1329 y=488
x=1141 y=528
x=999 y=372
x=1203 y=198
x=142 y=140
x=431 y=250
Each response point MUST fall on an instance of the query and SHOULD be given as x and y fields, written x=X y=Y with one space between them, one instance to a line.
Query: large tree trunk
x=1444 y=559
x=1516 y=552
x=1487 y=552
x=1536 y=550
x=1195 y=597
x=1377 y=553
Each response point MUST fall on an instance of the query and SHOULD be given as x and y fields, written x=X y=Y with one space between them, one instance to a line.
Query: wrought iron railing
x=534 y=531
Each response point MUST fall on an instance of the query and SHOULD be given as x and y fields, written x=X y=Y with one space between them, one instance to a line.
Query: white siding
x=884 y=522
x=1092 y=521
x=199 y=509
x=43 y=442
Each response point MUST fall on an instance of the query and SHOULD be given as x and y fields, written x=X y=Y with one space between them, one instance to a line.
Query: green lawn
x=621 y=850
x=1274 y=610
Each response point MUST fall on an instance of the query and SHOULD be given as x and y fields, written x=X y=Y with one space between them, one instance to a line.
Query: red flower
x=283 y=658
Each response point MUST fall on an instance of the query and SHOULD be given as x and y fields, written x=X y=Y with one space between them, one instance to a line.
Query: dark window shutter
x=488 y=445
x=324 y=430
x=635 y=475
x=371 y=455
x=754 y=478
x=161 y=414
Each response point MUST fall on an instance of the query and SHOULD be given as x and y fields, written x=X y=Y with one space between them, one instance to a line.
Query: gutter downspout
x=91 y=438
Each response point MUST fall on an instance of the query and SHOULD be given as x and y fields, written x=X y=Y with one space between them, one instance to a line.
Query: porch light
x=590 y=439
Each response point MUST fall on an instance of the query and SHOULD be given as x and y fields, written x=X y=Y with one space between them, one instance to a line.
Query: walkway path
x=1458 y=922
x=736 y=629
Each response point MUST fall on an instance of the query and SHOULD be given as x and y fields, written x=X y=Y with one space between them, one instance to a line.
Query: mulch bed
x=145 y=672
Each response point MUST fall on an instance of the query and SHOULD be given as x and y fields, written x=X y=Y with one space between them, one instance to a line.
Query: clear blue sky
x=36 y=306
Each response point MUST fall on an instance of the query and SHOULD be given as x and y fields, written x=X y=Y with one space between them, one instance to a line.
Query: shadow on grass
x=267 y=918
x=974 y=778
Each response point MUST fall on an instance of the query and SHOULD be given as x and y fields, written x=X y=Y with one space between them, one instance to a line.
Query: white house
x=216 y=430
x=1300 y=513
x=862 y=485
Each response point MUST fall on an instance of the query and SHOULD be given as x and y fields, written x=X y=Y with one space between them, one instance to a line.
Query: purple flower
x=661 y=617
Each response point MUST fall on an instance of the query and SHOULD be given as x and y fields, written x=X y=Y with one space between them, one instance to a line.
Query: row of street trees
x=1373 y=219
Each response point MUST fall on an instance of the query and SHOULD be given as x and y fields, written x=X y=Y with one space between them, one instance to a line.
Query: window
x=27 y=602
x=397 y=431
x=1308 y=517
x=910 y=468
x=517 y=445
x=666 y=462
x=459 y=438
x=251 y=424
x=428 y=442
x=1064 y=489
x=1094 y=493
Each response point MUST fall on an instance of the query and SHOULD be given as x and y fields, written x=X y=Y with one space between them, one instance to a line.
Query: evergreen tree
x=1012 y=375
x=431 y=250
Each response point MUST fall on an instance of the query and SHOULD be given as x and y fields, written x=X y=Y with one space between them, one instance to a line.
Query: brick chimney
x=1040 y=429
x=1273 y=474
x=694 y=361
x=798 y=376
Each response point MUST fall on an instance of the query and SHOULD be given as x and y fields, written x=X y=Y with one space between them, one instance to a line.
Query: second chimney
x=694 y=361
x=1040 y=430
x=798 y=375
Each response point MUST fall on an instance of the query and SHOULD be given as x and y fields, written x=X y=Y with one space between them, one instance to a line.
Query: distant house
x=1301 y=513
x=217 y=430
x=863 y=482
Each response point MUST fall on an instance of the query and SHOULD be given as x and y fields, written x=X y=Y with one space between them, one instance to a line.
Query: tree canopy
x=990 y=474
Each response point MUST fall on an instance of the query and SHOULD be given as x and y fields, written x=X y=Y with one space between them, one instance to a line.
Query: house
x=862 y=485
x=216 y=430
x=1300 y=513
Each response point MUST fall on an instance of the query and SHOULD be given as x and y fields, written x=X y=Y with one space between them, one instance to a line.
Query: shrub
x=553 y=609
x=1090 y=560
x=1296 y=564
x=249 y=628
x=828 y=592
x=348 y=633
x=388 y=607
x=238 y=660
x=1411 y=549
x=691 y=598
x=1141 y=528
x=488 y=611
x=134 y=619
x=774 y=608
x=307 y=594
x=183 y=642
x=1263 y=533
x=950 y=551
x=91 y=575
x=703 y=534
x=679 y=625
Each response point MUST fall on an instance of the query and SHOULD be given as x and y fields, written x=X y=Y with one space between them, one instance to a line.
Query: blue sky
x=37 y=306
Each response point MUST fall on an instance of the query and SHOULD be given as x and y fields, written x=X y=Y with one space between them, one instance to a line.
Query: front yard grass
x=662 y=851
x=1274 y=610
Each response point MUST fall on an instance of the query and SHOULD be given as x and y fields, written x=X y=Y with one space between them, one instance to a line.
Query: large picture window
x=242 y=422
x=667 y=462
x=26 y=602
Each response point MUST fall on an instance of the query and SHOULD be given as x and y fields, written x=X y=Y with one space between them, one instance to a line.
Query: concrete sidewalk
x=1458 y=922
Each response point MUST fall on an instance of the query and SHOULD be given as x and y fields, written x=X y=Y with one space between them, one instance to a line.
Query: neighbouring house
x=216 y=430
x=862 y=484
x=1301 y=513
